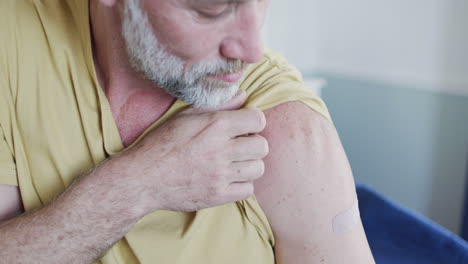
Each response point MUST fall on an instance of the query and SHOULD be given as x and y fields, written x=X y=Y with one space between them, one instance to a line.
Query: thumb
x=235 y=103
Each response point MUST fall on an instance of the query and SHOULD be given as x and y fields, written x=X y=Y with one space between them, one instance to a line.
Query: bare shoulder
x=304 y=148
x=308 y=183
x=288 y=119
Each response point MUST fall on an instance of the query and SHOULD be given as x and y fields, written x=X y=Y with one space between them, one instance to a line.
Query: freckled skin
x=307 y=181
x=139 y=111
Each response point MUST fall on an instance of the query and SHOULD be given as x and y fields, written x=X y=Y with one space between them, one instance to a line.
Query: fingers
x=244 y=122
x=246 y=148
x=234 y=122
x=246 y=171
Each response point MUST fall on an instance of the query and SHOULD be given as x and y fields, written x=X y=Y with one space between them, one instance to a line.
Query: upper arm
x=10 y=202
x=307 y=183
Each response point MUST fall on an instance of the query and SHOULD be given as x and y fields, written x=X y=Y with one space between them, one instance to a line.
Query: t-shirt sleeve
x=274 y=81
x=8 y=173
x=7 y=163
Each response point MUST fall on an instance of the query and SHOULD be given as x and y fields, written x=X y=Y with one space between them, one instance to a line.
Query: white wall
x=408 y=44
x=419 y=43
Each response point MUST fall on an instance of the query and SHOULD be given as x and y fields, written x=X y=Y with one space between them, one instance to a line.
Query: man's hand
x=198 y=159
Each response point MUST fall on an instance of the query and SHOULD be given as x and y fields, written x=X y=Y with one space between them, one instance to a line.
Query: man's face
x=194 y=49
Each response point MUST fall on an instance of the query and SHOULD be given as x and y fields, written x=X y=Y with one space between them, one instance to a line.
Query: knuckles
x=215 y=192
x=207 y=168
x=220 y=175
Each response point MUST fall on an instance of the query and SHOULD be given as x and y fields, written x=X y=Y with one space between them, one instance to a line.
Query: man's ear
x=108 y=3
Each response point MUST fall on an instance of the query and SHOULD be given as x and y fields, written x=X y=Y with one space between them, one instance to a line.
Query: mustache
x=231 y=66
x=219 y=67
x=199 y=72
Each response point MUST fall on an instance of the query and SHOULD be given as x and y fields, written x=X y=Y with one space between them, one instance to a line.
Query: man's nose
x=245 y=43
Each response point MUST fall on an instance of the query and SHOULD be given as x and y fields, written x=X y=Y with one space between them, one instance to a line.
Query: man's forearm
x=78 y=227
x=189 y=163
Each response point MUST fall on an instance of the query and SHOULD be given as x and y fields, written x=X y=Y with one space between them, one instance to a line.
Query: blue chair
x=399 y=236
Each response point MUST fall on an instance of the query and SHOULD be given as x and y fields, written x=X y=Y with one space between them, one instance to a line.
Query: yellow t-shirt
x=56 y=124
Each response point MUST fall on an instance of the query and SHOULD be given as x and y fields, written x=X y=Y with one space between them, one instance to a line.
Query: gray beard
x=150 y=58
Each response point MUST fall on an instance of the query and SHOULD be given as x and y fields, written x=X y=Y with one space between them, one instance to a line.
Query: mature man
x=100 y=149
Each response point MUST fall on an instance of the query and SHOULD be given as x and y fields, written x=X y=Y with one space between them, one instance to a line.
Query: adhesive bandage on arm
x=345 y=221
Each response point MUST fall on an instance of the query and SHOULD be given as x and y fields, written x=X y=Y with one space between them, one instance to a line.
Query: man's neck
x=116 y=76
x=135 y=102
